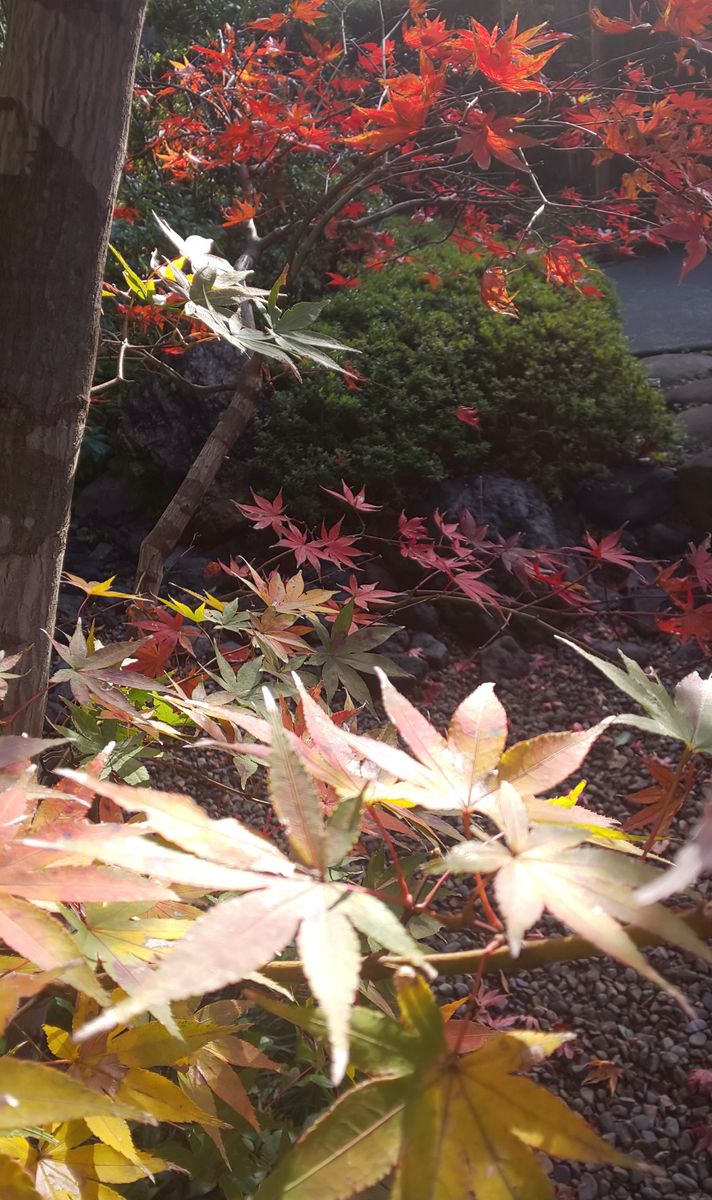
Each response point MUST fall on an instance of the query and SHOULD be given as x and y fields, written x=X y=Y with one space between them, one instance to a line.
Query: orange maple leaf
x=686 y=18
x=568 y=268
x=430 y=36
x=495 y=294
x=690 y=623
x=239 y=211
x=487 y=136
x=506 y=58
x=662 y=800
x=602 y=1070
x=614 y=25
x=410 y=99
x=323 y=51
x=308 y=11
x=269 y=24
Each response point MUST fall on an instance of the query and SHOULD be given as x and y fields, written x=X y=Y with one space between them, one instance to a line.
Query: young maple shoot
x=218 y=296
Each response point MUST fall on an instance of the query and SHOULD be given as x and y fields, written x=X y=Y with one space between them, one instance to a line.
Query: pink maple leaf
x=265 y=514
x=355 y=500
x=700 y=560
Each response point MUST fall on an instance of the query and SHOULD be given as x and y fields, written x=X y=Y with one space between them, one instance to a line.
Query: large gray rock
x=164 y=427
x=696 y=423
x=686 y=395
x=107 y=500
x=695 y=479
x=665 y=539
x=504 y=660
x=670 y=369
x=507 y=506
x=435 y=652
x=639 y=494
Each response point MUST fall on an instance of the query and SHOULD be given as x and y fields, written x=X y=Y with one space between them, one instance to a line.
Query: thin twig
x=539 y=953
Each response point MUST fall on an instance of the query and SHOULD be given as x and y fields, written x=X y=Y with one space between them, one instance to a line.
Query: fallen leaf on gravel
x=700 y=1080
x=602 y=1070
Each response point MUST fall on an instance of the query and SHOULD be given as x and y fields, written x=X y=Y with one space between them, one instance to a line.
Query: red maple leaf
x=470 y=582
x=338 y=280
x=560 y=585
x=332 y=547
x=234 y=568
x=167 y=631
x=568 y=268
x=307 y=11
x=269 y=24
x=686 y=18
x=124 y=212
x=689 y=223
x=352 y=377
x=700 y=1081
x=411 y=528
x=609 y=550
x=468 y=416
x=703 y=1133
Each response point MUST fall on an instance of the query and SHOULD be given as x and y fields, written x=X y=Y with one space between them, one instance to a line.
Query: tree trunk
x=170 y=526
x=66 y=82
x=167 y=531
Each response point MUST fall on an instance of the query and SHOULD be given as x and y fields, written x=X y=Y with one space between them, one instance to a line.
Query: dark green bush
x=558 y=392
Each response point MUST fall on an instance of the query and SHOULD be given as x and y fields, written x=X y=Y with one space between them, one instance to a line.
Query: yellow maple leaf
x=95 y=587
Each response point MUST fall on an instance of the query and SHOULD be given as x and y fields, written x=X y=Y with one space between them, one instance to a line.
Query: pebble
x=684 y=1182
x=588 y=1187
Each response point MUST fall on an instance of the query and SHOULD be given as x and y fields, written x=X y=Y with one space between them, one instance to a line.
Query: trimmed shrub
x=558 y=392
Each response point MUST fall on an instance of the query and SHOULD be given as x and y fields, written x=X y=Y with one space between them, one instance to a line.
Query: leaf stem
x=490 y=914
x=406 y=894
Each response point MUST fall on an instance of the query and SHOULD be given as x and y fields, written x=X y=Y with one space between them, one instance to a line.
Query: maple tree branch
x=534 y=953
x=118 y=378
x=167 y=531
x=402 y=206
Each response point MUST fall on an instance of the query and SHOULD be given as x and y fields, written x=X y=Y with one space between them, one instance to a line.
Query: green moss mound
x=558 y=392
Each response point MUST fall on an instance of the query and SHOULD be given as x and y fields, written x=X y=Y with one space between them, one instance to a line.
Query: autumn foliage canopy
x=154 y=955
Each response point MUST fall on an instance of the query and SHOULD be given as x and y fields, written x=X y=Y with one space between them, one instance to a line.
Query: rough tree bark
x=66 y=81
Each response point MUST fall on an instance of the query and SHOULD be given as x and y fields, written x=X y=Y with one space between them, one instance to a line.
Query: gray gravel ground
x=655 y=1114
